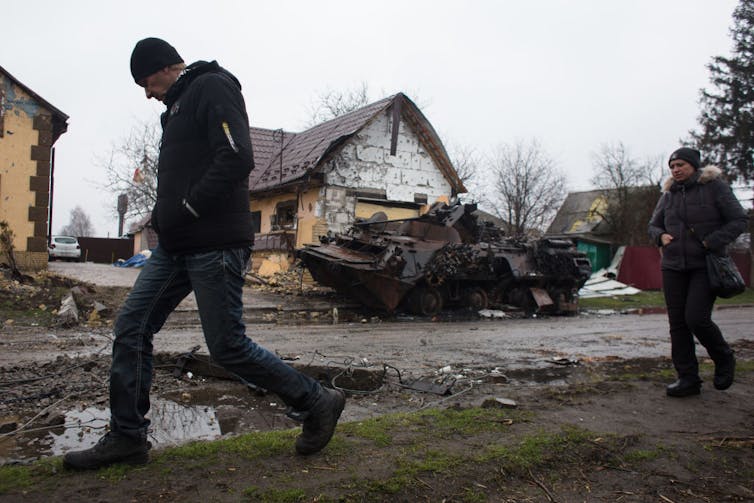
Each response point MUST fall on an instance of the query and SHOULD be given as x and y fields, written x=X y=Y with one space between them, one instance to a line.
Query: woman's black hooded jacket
x=204 y=165
x=707 y=204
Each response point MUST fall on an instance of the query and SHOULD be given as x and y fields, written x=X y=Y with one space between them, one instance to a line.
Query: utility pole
x=122 y=208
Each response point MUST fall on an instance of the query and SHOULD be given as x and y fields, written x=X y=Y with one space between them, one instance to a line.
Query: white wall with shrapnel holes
x=365 y=163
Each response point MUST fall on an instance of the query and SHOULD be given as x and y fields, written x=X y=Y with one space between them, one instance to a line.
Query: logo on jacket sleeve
x=226 y=129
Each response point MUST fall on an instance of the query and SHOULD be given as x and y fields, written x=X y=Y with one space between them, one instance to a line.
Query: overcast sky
x=574 y=74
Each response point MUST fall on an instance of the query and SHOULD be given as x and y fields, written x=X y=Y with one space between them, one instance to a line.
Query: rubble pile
x=295 y=281
x=50 y=300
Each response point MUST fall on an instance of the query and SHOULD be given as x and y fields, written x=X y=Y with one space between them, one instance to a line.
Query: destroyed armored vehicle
x=447 y=258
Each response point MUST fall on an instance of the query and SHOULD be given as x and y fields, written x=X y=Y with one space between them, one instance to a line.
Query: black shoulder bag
x=725 y=280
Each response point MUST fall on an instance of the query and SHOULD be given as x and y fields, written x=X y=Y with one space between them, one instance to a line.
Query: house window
x=256 y=221
x=285 y=215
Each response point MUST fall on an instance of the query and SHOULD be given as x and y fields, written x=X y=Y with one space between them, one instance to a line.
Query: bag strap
x=691 y=229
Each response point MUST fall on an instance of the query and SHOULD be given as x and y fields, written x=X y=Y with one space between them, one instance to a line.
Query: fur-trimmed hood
x=704 y=175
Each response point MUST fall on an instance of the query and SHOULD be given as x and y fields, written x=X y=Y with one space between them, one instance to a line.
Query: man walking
x=205 y=234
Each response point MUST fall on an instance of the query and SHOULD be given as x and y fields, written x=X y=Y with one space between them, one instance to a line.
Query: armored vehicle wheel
x=425 y=301
x=476 y=299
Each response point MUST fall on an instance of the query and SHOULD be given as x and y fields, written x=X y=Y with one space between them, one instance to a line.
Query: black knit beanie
x=151 y=55
x=690 y=155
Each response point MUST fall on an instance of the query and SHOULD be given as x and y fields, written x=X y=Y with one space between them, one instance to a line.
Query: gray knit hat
x=690 y=155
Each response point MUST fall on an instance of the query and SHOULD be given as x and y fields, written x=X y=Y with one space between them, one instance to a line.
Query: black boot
x=320 y=421
x=685 y=386
x=724 y=372
x=112 y=448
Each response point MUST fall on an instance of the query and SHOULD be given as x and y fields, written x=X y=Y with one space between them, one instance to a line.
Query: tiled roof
x=302 y=152
x=574 y=216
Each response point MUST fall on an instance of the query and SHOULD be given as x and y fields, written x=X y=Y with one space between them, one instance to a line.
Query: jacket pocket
x=172 y=214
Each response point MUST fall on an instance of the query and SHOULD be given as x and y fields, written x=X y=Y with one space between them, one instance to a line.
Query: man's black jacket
x=205 y=160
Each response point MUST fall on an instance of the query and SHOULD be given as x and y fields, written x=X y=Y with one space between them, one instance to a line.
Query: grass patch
x=18 y=477
x=406 y=475
x=254 y=493
x=13 y=478
x=652 y=299
x=377 y=429
x=435 y=422
x=533 y=451
x=250 y=446
x=744 y=365
x=412 y=452
x=27 y=316
x=469 y=421
x=536 y=450
x=641 y=455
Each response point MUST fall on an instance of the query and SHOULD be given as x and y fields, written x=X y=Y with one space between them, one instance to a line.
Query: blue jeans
x=216 y=277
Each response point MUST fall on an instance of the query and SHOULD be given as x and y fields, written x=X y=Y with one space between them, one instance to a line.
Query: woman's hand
x=665 y=239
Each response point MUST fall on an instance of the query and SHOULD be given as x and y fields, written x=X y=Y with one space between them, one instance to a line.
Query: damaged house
x=385 y=157
x=601 y=221
x=29 y=127
x=581 y=219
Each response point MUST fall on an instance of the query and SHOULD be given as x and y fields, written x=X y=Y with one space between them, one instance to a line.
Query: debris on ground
x=68 y=314
x=499 y=403
x=39 y=301
x=137 y=260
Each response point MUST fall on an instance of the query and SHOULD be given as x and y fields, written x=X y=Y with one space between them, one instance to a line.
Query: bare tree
x=615 y=167
x=131 y=169
x=630 y=188
x=471 y=169
x=466 y=162
x=528 y=189
x=330 y=104
x=80 y=225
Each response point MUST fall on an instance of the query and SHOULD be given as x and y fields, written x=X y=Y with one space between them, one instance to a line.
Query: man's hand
x=665 y=239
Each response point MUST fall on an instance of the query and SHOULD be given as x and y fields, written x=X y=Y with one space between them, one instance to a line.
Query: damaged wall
x=360 y=178
x=307 y=220
x=364 y=165
x=25 y=143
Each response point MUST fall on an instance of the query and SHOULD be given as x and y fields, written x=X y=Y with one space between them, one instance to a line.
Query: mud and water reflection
x=172 y=423
x=209 y=409
x=202 y=414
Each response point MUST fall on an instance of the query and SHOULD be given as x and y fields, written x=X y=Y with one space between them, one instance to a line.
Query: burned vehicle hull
x=446 y=258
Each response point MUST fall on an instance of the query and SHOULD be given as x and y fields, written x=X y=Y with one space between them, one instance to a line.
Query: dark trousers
x=689 y=302
x=216 y=277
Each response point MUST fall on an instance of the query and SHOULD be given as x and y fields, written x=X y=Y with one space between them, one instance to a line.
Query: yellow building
x=385 y=157
x=29 y=127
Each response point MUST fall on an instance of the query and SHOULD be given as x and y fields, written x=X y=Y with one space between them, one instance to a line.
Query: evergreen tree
x=726 y=124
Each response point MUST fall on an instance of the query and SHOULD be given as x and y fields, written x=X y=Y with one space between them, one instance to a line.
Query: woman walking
x=697 y=214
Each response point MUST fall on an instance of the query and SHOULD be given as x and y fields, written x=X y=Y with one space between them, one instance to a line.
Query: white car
x=64 y=247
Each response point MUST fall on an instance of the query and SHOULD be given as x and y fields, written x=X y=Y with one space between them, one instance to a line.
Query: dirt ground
x=632 y=443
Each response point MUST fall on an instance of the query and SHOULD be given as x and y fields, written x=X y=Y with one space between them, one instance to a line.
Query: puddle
x=205 y=411
x=201 y=409
x=172 y=423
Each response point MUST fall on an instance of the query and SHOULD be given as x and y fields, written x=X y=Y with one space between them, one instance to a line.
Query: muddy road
x=417 y=346
x=602 y=374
